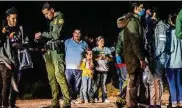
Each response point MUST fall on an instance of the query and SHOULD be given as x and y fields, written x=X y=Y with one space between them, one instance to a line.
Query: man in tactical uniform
x=54 y=57
x=133 y=54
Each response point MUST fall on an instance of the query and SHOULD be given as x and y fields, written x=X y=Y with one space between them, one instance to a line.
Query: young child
x=87 y=75
x=102 y=57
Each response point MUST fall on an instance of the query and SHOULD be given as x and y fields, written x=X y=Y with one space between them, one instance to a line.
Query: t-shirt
x=74 y=53
x=102 y=65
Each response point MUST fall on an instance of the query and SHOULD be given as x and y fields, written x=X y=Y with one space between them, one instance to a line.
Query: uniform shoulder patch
x=60 y=21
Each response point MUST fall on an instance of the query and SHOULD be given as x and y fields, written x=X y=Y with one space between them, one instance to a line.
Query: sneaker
x=77 y=101
x=96 y=100
x=91 y=101
x=107 y=101
x=86 y=101
x=174 y=105
x=80 y=101
x=74 y=102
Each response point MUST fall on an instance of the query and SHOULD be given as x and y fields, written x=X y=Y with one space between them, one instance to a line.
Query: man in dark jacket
x=6 y=65
x=13 y=32
x=133 y=52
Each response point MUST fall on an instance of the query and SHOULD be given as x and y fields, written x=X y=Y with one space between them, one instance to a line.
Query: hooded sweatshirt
x=160 y=43
x=175 y=59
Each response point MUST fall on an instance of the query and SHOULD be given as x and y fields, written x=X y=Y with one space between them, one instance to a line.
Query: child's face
x=101 y=42
x=89 y=55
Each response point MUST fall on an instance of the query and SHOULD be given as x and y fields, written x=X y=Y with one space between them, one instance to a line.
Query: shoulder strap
x=22 y=36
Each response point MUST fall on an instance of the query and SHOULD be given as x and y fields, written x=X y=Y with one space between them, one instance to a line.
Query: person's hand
x=142 y=64
x=103 y=57
x=37 y=35
x=118 y=59
x=11 y=35
x=4 y=30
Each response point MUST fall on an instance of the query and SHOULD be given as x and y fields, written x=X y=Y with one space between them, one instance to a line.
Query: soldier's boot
x=52 y=106
x=66 y=106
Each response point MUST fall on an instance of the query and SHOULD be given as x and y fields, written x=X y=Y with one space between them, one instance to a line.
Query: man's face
x=12 y=20
x=139 y=9
x=77 y=35
x=49 y=14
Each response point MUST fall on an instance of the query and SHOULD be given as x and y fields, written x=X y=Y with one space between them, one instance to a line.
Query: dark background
x=93 y=17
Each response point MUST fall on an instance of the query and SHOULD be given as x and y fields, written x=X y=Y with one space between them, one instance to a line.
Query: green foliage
x=36 y=90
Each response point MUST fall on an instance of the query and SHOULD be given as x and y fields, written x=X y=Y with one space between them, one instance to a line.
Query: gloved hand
x=118 y=59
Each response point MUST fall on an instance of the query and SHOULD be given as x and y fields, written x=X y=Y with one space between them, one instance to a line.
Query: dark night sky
x=94 y=17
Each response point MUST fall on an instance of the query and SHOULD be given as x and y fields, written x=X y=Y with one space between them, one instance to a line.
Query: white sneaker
x=96 y=100
x=107 y=101
x=74 y=102
x=174 y=105
x=86 y=101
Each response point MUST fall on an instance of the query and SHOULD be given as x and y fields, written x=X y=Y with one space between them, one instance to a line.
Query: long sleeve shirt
x=86 y=68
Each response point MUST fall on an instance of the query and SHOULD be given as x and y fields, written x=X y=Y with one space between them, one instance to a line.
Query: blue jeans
x=85 y=88
x=121 y=72
x=174 y=77
x=100 y=80
x=73 y=77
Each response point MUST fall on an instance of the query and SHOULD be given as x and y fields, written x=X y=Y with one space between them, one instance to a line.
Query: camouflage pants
x=5 y=82
x=55 y=65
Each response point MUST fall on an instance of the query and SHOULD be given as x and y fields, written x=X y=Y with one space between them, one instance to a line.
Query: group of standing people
x=151 y=49
x=71 y=64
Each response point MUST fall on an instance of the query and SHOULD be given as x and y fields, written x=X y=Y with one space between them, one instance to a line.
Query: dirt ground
x=38 y=103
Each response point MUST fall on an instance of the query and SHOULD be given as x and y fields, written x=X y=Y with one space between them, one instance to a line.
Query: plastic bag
x=25 y=60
